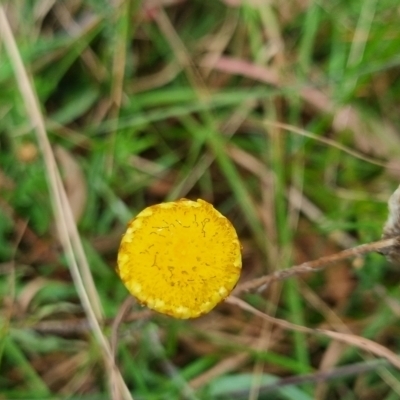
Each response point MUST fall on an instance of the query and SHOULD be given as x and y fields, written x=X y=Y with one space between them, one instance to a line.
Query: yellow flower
x=180 y=258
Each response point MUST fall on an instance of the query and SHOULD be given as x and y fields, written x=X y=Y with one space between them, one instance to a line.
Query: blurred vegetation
x=283 y=114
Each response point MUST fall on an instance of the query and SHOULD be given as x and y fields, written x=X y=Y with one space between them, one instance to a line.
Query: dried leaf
x=29 y=292
x=392 y=227
x=74 y=181
x=339 y=284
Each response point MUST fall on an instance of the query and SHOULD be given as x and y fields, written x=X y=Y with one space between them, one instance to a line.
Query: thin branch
x=320 y=263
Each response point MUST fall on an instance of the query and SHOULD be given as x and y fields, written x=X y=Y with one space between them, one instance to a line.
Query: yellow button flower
x=180 y=258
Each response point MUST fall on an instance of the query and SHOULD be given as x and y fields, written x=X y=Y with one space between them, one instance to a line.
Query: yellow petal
x=180 y=258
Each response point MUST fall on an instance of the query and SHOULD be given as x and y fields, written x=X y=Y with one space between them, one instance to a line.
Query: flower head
x=180 y=258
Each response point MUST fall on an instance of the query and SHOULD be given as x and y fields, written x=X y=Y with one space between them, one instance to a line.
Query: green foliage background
x=157 y=100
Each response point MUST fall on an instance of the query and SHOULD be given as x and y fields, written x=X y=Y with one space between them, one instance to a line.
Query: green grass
x=146 y=118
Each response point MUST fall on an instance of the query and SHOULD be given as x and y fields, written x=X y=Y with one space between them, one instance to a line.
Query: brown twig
x=320 y=263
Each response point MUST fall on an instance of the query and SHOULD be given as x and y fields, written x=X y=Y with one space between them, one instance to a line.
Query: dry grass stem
x=352 y=340
x=66 y=226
